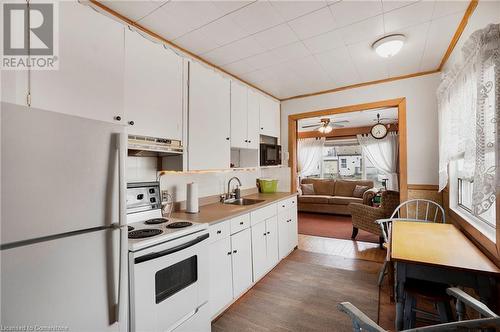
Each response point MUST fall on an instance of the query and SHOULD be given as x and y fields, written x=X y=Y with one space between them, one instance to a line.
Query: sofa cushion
x=346 y=187
x=359 y=191
x=321 y=186
x=307 y=189
x=314 y=199
x=343 y=200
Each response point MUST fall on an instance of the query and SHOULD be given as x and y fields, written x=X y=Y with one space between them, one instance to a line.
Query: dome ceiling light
x=389 y=46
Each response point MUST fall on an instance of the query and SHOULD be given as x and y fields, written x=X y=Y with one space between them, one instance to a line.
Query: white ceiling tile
x=407 y=61
x=441 y=32
x=348 y=12
x=289 y=52
x=339 y=66
x=367 y=30
x=223 y=31
x=177 y=18
x=133 y=10
x=229 y=6
x=313 y=24
x=293 y=9
x=262 y=60
x=258 y=75
x=197 y=42
x=275 y=37
x=408 y=16
x=235 y=51
x=369 y=65
x=309 y=71
x=395 y=4
x=240 y=67
x=324 y=42
x=444 y=8
x=256 y=17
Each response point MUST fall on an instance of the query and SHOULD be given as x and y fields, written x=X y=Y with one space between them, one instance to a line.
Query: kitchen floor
x=281 y=301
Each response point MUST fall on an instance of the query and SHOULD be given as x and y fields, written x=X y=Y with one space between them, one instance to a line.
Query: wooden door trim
x=400 y=103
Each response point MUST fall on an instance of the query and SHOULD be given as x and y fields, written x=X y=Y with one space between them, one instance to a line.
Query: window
x=343 y=163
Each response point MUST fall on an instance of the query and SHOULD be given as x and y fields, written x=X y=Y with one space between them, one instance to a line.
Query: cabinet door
x=293 y=231
x=259 y=252
x=153 y=88
x=89 y=81
x=221 y=287
x=269 y=117
x=241 y=244
x=209 y=119
x=283 y=233
x=272 y=242
x=238 y=115
x=253 y=119
x=14 y=85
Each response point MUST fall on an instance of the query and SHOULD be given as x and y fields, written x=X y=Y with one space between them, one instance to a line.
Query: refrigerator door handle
x=122 y=180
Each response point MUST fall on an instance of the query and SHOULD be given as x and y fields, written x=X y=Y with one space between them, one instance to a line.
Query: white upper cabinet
x=89 y=81
x=239 y=107
x=269 y=117
x=153 y=88
x=209 y=119
x=253 y=119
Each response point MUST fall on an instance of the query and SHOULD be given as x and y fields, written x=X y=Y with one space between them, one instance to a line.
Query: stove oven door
x=168 y=282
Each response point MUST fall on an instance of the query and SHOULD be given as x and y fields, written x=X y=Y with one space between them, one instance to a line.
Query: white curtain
x=383 y=154
x=309 y=153
x=468 y=110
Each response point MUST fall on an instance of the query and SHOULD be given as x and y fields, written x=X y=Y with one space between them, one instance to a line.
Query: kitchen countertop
x=217 y=212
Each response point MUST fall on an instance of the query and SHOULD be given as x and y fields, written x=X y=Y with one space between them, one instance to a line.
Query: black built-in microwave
x=270 y=154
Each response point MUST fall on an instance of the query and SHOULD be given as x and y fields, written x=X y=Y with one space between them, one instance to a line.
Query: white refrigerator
x=63 y=230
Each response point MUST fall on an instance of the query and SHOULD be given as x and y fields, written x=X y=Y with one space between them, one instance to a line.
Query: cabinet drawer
x=219 y=231
x=240 y=223
x=287 y=204
x=263 y=213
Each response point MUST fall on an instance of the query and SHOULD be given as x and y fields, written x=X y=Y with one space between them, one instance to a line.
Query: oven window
x=176 y=277
x=271 y=154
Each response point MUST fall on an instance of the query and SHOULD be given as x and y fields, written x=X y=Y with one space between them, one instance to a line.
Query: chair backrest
x=389 y=201
x=422 y=210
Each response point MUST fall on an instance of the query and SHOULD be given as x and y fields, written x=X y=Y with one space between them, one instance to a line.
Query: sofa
x=333 y=196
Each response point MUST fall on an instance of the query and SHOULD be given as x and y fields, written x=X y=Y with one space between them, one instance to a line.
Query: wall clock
x=379 y=130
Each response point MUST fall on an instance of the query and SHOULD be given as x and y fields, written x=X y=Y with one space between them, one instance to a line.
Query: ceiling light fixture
x=389 y=46
x=325 y=129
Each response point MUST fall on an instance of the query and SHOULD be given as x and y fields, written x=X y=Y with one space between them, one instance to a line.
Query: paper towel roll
x=192 y=205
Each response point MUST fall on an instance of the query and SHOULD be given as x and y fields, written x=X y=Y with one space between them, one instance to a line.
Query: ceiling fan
x=384 y=120
x=325 y=125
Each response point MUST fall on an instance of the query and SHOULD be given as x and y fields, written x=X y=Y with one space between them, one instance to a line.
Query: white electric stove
x=168 y=264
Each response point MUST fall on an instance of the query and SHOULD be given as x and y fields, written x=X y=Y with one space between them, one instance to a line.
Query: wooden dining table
x=439 y=253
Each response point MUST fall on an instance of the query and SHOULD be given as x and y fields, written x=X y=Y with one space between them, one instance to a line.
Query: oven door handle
x=169 y=251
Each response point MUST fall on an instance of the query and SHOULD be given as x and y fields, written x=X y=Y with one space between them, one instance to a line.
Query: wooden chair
x=413 y=211
x=362 y=322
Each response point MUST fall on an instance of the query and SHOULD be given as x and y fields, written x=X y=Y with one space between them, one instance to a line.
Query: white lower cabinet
x=264 y=246
x=241 y=255
x=288 y=232
x=221 y=284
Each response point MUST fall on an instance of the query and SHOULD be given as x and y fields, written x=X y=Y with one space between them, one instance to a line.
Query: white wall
x=486 y=12
x=421 y=110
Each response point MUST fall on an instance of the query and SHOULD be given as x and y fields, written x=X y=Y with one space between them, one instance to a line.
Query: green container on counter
x=267 y=186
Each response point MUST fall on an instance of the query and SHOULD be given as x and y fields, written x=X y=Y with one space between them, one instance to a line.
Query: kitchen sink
x=243 y=201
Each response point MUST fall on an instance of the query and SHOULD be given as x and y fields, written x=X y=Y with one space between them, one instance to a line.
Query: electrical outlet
x=164 y=195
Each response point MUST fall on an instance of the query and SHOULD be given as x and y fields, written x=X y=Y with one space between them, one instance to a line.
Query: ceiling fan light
x=389 y=46
x=327 y=129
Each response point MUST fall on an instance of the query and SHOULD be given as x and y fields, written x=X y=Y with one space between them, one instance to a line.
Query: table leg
x=400 y=286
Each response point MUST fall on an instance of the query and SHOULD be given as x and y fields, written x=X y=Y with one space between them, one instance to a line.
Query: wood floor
x=249 y=313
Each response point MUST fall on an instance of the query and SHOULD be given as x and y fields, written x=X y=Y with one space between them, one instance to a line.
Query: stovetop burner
x=156 y=221
x=130 y=228
x=143 y=233
x=179 y=224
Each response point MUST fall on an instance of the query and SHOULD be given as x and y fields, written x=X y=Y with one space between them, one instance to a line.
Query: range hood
x=144 y=146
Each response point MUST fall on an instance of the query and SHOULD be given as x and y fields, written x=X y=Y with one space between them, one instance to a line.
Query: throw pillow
x=307 y=189
x=359 y=191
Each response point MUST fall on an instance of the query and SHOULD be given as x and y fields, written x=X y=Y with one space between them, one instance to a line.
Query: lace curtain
x=309 y=153
x=468 y=110
x=383 y=154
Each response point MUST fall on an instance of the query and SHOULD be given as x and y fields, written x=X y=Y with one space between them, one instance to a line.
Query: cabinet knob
x=246 y=141
x=264 y=234
x=249 y=141
x=229 y=253
x=261 y=128
x=219 y=231
x=118 y=118
x=268 y=233
x=282 y=206
x=241 y=222
x=235 y=251
x=131 y=123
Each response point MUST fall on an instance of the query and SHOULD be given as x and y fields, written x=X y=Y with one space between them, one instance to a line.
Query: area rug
x=301 y=295
x=335 y=226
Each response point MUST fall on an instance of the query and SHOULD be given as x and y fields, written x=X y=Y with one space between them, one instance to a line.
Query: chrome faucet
x=229 y=193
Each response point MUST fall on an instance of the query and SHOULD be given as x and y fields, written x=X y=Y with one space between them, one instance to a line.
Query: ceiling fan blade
x=335 y=125
x=313 y=125
x=337 y=122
